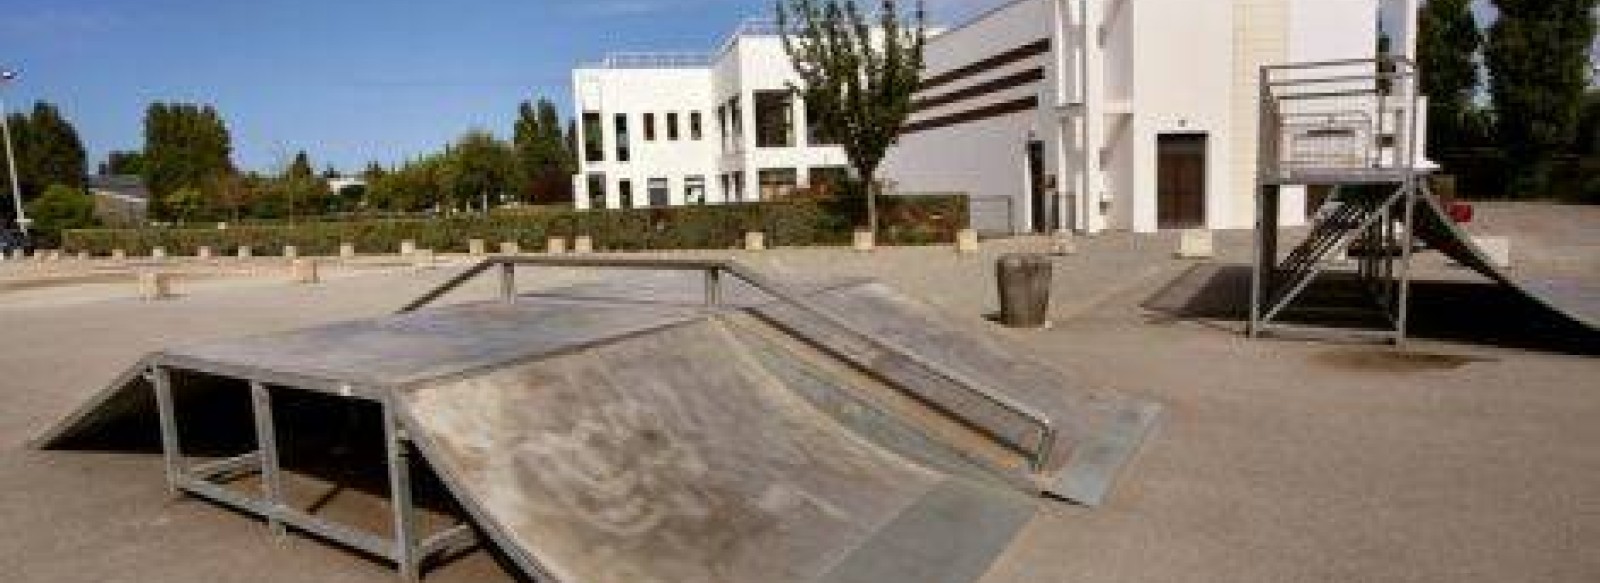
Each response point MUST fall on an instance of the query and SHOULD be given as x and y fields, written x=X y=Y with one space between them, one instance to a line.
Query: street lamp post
x=6 y=77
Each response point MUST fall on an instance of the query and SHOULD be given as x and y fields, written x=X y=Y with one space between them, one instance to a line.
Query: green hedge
x=909 y=220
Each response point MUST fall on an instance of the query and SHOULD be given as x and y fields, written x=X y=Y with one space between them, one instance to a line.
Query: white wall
x=634 y=92
x=984 y=159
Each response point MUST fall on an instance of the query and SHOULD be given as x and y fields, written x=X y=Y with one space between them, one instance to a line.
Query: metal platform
x=715 y=426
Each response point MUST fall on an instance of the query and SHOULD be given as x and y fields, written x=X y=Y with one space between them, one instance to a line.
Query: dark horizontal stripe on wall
x=972 y=115
x=985 y=88
x=1034 y=48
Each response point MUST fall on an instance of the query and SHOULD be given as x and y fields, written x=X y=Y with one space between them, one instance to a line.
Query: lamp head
x=7 y=75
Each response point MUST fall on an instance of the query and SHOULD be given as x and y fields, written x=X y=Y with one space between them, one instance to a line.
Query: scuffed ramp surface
x=675 y=456
x=1099 y=432
x=1576 y=301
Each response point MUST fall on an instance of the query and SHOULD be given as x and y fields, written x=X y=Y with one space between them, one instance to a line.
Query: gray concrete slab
x=676 y=456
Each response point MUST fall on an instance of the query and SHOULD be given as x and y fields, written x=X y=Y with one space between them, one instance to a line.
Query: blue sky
x=347 y=80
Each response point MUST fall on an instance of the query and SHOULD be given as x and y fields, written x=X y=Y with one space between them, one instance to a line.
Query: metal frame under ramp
x=1351 y=126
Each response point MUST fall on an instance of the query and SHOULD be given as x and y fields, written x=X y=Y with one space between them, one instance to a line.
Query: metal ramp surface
x=653 y=437
x=1575 y=300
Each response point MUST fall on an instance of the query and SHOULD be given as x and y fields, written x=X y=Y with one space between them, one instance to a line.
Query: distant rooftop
x=683 y=59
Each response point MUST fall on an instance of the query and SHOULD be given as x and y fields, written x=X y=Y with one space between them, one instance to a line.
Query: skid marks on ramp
x=669 y=457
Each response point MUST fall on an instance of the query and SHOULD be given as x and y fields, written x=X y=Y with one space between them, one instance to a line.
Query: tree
x=48 y=152
x=858 y=76
x=1447 y=50
x=61 y=207
x=185 y=146
x=1538 y=58
x=479 y=168
x=543 y=155
x=123 y=162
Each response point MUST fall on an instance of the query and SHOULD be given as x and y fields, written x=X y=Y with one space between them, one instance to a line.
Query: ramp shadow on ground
x=1468 y=312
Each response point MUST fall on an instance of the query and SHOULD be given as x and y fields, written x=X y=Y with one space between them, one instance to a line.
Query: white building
x=657 y=129
x=1163 y=94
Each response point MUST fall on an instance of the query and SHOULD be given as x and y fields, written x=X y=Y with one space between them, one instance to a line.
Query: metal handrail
x=713 y=268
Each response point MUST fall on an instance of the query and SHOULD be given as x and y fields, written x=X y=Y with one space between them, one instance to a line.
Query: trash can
x=1024 y=280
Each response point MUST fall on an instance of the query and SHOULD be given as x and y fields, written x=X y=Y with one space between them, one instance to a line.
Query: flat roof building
x=1050 y=114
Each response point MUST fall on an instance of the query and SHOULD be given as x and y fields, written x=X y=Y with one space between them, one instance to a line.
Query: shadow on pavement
x=1457 y=311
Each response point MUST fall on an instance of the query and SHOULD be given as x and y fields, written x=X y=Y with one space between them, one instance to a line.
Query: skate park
x=782 y=417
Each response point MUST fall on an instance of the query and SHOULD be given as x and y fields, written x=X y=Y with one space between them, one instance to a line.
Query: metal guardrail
x=714 y=269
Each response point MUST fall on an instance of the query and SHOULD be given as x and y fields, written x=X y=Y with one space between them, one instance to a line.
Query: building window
x=625 y=193
x=817 y=135
x=738 y=186
x=621 y=123
x=694 y=126
x=735 y=121
x=672 y=126
x=649 y=127
x=597 y=190
x=593 y=137
x=777 y=182
x=774 y=119
x=828 y=180
x=659 y=195
x=694 y=190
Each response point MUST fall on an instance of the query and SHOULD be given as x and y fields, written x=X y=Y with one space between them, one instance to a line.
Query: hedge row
x=917 y=220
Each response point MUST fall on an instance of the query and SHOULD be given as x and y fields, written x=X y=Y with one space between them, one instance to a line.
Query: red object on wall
x=1461 y=212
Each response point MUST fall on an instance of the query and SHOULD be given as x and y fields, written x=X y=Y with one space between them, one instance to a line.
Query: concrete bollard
x=154 y=285
x=862 y=240
x=119 y=254
x=408 y=247
x=1196 y=244
x=477 y=247
x=1496 y=249
x=305 y=271
x=203 y=252
x=755 y=241
x=555 y=245
x=291 y=252
x=245 y=252
x=158 y=253
x=582 y=244
x=967 y=241
x=83 y=256
x=510 y=248
x=347 y=250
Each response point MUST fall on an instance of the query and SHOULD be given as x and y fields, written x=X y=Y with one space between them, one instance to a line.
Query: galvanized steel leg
x=1404 y=308
x=267 y=444
x=405 y=538
x=161 y=380
x=508 y=282
x=713 y=287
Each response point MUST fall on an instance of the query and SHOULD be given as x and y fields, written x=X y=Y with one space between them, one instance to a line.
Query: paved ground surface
x=1279 y=460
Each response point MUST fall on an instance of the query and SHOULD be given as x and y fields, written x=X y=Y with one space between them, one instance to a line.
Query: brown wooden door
x=1181 y=181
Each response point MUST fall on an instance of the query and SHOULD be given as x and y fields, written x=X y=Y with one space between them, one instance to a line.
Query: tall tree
x=185 y=147
x=858 y=75
x=48 y=153
x=1447 y=55
x=1538 y=57
x=545 y=160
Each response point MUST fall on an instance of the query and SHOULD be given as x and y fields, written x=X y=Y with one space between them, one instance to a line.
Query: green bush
x=60 y=208
x=798 y=222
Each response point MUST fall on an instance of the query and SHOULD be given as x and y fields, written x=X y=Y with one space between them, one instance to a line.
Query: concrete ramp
x=676 y=456
x=1574 y=300
x=1097 y=431
x=820 y=433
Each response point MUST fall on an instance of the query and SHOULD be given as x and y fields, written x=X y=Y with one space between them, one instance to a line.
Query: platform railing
x=1038 y=455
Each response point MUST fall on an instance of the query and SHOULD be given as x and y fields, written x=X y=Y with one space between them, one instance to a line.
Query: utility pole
x=6 y=77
